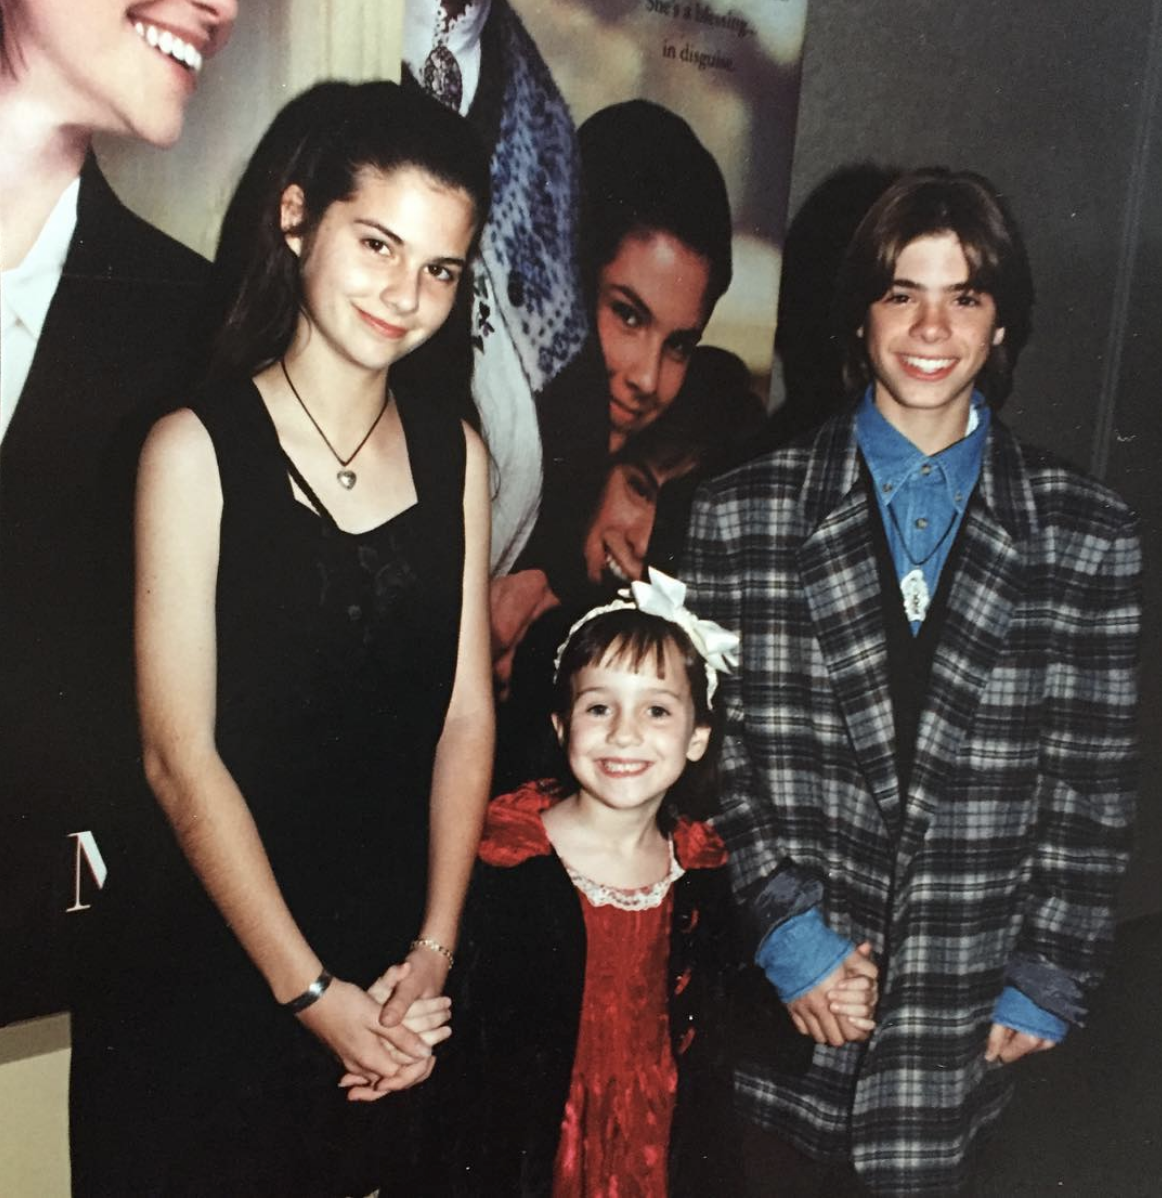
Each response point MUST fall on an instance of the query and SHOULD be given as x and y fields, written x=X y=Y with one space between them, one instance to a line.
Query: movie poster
x=595 y=444
x=624 y=307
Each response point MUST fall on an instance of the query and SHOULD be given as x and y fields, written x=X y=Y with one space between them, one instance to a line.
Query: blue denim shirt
x=922 y=498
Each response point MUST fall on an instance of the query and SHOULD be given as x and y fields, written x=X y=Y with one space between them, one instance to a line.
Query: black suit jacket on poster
x=114 y=353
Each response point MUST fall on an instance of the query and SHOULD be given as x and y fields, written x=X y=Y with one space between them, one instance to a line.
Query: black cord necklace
x=345 y=477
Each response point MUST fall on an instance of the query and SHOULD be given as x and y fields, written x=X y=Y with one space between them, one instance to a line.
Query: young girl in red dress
x=597 y=928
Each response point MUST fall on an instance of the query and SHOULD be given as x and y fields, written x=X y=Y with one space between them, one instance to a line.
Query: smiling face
x=929 y=336
x=619 y=533
x=651 y=310
x=630 y=733
x=111 y=67
x=379 y=271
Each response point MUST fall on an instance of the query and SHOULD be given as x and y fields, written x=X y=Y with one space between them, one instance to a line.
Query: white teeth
x=169 y=44
x=929 y=365
x=615 y=569
x=619 y=767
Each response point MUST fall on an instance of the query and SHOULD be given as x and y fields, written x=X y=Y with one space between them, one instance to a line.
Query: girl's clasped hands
x=384 y=1035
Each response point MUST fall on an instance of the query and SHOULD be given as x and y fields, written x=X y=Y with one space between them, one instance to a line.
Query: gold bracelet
x=436 y=947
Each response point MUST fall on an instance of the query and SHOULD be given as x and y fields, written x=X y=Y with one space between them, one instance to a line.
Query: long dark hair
x=926 y=202
x=321 y=141
x=637 y=640
x=644 y=171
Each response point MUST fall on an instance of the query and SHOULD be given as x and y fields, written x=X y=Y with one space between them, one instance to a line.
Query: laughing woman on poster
x=313 y=664
x=98 y=315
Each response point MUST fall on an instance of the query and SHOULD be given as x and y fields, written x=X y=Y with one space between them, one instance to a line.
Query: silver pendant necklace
x=913 y=585
x=345 y=477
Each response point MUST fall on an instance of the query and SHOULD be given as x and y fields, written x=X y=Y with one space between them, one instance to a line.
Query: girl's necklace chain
x=345 y=477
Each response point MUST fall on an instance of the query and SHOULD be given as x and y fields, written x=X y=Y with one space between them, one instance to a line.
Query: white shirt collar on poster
x=26 y=292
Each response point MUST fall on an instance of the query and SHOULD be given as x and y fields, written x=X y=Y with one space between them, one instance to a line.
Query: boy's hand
x=1006 y=1045
x=839 y=1009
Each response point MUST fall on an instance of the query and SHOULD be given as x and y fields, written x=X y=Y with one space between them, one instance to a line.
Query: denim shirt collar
x=892 y=458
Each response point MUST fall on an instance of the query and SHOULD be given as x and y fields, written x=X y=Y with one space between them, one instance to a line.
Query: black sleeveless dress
x=336 y=657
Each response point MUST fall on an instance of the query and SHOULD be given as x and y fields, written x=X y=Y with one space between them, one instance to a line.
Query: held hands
x=412 y=1018
x=840 y=1009
x=346 y=1020
x=377 y=1060
x=1006 y=1044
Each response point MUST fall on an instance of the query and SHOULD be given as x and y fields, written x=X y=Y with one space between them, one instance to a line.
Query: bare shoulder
x=180 y=446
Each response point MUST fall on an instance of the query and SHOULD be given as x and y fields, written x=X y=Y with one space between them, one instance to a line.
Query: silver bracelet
x=436 y=947
x=310 y=995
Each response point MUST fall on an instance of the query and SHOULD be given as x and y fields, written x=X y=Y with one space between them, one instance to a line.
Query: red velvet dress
x=615 y=1132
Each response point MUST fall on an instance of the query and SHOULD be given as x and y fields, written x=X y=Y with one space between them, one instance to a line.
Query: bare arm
x=179 y=509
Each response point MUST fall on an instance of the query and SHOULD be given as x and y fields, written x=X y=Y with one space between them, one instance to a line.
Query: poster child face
x=618 y=537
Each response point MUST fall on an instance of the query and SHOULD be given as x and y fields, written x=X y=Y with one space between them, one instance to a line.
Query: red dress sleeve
x=513 y=831
x=697 y=845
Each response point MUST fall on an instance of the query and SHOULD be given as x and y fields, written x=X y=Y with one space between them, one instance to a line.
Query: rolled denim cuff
x=1022 y=1014
x=800 y=953
x=1052 y=989
x=788 y=892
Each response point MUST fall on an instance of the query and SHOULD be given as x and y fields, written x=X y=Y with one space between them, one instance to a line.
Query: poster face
x=731 y=70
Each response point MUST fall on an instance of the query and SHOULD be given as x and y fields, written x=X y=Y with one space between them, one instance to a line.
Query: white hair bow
x=665 y=597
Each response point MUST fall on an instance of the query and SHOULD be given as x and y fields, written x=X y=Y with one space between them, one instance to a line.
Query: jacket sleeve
x=1087 y=776
x=769 y=885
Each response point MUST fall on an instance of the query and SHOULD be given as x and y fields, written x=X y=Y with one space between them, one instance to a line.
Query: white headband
x=664 y=597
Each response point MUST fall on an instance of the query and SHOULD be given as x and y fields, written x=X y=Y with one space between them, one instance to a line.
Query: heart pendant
x=346 y=479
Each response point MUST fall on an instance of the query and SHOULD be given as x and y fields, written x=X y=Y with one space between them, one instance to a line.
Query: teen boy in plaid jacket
x=930 y=738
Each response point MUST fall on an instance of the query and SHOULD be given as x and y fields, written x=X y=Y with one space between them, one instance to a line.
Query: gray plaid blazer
x=1001 y=862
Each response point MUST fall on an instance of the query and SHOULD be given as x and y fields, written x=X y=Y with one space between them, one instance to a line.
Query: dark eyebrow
x=908 y=285
x=396 y=239
x=648 y=478
x=649 y=472
x=636 y=300
x=383 y=230
x=628 y=293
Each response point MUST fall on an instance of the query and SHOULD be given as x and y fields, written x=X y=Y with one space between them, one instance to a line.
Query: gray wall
x=1058 y=102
